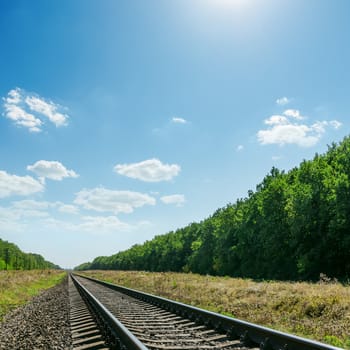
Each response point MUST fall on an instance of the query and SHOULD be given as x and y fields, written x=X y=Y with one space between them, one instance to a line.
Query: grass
x=319 y=311
x=18 y=287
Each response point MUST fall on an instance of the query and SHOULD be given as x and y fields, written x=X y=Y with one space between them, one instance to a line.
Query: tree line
x=12 y=258
x=294 y=226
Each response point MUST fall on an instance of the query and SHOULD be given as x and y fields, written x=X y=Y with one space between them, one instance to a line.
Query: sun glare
x=230 y=6
x=230 y=3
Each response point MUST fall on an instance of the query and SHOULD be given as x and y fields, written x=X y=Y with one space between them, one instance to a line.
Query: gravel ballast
x=43 y=323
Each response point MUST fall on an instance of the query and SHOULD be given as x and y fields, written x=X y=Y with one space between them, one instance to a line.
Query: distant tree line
x=294 y=226
x=12 y=258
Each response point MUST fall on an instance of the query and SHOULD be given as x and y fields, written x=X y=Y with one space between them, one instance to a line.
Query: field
x=320 y=311
x=17 y=287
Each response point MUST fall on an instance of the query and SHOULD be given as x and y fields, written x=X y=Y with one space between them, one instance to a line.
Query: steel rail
x=250 y=334
x=115 y=328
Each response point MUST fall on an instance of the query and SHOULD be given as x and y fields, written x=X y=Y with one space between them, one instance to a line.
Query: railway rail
x=129 y=319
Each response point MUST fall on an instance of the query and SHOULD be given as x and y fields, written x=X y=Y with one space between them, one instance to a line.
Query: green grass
x=319 y=311
x=18 y=287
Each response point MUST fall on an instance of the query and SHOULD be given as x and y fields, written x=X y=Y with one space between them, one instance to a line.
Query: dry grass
x=17 y=287
x=320 y=311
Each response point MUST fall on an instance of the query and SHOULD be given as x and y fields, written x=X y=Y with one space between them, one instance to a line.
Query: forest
x=12 y=258
x=294 y=226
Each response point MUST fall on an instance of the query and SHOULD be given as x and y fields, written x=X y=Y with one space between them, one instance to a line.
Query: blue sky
x=122 y=120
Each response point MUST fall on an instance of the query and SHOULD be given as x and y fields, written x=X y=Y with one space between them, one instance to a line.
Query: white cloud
x=282 y=101
x=13 y=185
x=177 y=199
x=95 y=225
x=30 y=204
x=18 y=115
x=288 y=134
x=39 y=209
x=335 y=124
x=51 y=170
x=104 y=200
x=177 y=120
x=102 y=223
x=68 y=209
x=8 y=214
x=47 y=109
x=320 y=127
x=293 y=113
x=28 y=110
x=13 y=96
x=20 y=211
x=276 y=119
x=151 y=170
x=287 y=129
x=239 y=148
x=29 y=207
x=9 y=221
x=30 y=215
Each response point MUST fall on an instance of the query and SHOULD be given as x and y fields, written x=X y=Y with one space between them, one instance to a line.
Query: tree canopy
x=12 y=258
x=295 y=225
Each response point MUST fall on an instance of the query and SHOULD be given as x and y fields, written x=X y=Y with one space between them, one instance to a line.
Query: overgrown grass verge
x=18 y=287
x=319 y=311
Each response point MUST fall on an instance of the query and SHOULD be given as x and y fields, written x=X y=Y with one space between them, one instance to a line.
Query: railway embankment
x=42 y=323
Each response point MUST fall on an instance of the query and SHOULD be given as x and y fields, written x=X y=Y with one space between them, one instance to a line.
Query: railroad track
x=128 y=319
x=86 y=329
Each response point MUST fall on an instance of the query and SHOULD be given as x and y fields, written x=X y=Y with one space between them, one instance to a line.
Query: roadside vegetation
x=319 y=311
x=18 y=287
